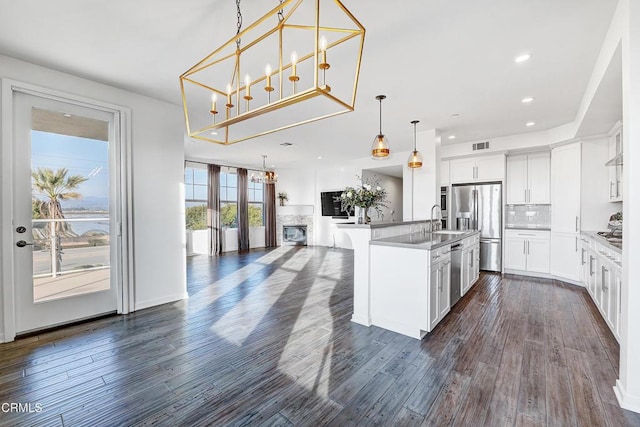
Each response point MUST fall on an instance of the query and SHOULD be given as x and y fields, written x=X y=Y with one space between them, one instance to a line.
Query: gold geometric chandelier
x=300 y=51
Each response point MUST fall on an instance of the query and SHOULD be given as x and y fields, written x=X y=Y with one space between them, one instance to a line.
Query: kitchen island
x=412 y=276
x=360 y=236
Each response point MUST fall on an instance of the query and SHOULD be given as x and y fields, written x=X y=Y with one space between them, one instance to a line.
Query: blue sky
x=82 y=156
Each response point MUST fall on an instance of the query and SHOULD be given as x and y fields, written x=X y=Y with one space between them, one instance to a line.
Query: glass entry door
x=66 y=218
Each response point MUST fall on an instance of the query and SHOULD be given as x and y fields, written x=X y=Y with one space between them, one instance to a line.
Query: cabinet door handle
x=440 y=279
x=528 y=247
x=524 y=247
x=590 y=265
x=604 y=273
x=582 y=257
x=618 y=188
x=577 y=219
x=576 y=243
x=525 y=195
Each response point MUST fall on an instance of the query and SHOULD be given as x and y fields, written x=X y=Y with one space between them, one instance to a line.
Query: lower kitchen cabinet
x=527 y=251
x=602 y=276
x=565 y=256
x=440 y=285
x=470 y=263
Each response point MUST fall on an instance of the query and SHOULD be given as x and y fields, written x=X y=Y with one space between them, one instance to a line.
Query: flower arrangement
x=365 y=196
x=283 y=197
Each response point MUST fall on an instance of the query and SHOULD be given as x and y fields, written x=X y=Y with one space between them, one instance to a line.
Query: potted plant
x=365 y=196
x=283 y=197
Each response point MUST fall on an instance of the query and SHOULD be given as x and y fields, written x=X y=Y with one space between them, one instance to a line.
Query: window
x=229 y=197
x=256 y=204
x=195 y=194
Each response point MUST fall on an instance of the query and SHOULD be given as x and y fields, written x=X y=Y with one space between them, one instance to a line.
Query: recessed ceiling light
x=286 y=144
x=522 y=58
x=531 y=124
x=456 y=115
x=67 y=115
x=527 y=100
x=319 y=157
x=213 y=132
x=452 y=137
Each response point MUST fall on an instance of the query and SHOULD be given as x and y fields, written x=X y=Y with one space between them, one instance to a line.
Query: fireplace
x=294 y=235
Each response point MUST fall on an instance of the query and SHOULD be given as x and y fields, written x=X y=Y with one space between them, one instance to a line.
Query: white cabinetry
x=470 y=263
x=615 y=164
x=565 y=188
x=439 y=287
x=527 y=251
x=565 y=211
x=528 y=179
x=602 y=276
x=477 y=169
x=565 y=256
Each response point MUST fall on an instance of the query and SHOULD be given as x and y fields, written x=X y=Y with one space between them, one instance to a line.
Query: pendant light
x=415 y=158
x=380 y=147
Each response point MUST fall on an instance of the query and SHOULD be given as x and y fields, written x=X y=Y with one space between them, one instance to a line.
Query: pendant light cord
x=380 y=133
x=414 y=136
x=239 y=24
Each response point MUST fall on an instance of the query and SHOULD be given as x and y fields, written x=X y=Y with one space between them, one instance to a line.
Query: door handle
x=21 y=229
x=22 y=244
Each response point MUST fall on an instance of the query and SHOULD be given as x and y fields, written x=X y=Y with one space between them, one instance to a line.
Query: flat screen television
x=331 y=204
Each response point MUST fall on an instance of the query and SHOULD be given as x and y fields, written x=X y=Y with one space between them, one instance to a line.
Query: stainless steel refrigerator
x=479 y=207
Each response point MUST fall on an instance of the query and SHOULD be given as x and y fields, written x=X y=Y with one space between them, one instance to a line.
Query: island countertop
x=424 y=241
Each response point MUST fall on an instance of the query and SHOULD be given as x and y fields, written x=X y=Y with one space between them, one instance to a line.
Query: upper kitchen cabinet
x=565 y=188
x=477 y=169
x=615 y=163
x=528 y=179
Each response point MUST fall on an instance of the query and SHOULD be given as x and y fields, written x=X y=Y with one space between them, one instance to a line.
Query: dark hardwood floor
x=266 y=339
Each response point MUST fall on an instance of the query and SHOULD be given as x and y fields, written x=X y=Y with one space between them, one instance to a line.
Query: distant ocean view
x=89 y=207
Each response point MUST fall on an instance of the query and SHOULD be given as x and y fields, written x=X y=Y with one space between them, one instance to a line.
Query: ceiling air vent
x=480 y=146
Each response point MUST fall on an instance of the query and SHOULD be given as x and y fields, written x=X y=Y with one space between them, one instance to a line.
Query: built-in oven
x=444 y=202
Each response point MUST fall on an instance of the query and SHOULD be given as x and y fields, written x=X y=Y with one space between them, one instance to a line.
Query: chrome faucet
x=438 y=226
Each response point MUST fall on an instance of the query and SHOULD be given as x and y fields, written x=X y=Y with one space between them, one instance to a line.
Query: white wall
x=159 y=270
x=595 y=207
x=393 y=185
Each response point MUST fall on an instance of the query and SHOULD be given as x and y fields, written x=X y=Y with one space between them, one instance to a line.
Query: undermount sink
x=449 y=232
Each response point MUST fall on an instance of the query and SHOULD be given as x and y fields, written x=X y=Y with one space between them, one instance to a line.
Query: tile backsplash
x=529 y=216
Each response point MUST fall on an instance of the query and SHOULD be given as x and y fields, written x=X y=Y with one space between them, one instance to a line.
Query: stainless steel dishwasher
x=456 y=273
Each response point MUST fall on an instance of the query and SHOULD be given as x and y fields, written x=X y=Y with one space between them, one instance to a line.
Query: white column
x=421 y=187
x=628 y=385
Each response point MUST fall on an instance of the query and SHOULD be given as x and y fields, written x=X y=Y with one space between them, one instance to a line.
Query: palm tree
x=52 y=187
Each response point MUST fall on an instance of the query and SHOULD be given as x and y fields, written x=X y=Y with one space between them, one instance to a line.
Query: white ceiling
x=431 y=58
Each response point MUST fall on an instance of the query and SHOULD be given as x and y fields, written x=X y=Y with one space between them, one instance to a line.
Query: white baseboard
x=159 y=301
x=361 y=320
x=626 y=401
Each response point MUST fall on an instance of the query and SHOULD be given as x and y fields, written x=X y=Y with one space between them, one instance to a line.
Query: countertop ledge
x=421 y=241
x=379 y=224
x=524 y=227
x=601 y=240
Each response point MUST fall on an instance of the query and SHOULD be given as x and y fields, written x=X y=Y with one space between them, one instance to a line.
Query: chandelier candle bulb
x=247 y=85
x=294 y=67
x=324 y=65
x=267 y=72
x=229 y=104
x=214 y=98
